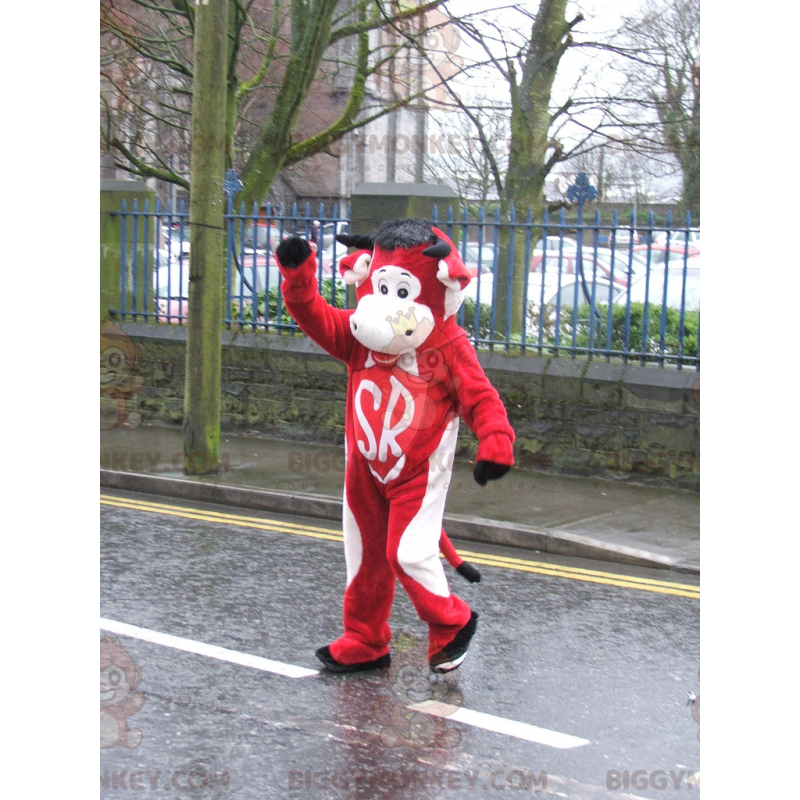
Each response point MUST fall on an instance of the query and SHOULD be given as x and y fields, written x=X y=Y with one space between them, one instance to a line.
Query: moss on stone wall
x=642 y=423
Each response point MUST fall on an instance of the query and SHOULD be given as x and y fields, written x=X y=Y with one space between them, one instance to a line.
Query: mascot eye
x=114 y=360
x=114 y=677
x=402 y=292
x=384 y=287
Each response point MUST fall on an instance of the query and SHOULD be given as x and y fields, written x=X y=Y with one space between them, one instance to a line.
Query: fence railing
x=608 y=290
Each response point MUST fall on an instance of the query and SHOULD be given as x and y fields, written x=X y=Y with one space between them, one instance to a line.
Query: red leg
x=415 y=527
x=370 y=580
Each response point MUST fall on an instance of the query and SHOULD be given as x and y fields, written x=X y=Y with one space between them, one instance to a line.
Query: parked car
x=331 y=256
x=171 y=290
x=266 y=236
x=555 y=244
x=597 y=262
x=479 y=256
x=658 y=252
x=622 y=237
x=256 y=272
x=679 y=237
x=565 y=295
x=621 y=260
x=175 y=244
x=327 y=232
x=654 y=288
x=481 y=288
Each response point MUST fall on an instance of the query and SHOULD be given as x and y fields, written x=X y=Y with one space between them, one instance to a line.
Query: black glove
x=292 y=252
x=488 y=471
x=469 y=572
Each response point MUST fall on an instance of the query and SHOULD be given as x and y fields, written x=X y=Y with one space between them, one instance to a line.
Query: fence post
x=112 y=193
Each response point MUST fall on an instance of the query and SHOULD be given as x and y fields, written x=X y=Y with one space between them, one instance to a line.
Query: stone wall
x=570 y=416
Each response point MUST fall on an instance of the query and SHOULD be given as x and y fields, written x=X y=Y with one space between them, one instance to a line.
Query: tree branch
x=373 y=23
x=141 y=167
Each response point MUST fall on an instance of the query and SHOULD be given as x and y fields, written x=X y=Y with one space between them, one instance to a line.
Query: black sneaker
x=453 y=654
x=332 y=665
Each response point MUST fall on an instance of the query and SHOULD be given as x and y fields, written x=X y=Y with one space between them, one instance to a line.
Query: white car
x=555 y=244
x=171 y=281
x=175 y=245
x=330 y=230
x=484 y=284
x=565 y=296
x=266 y=237
x=679 y=237
x=621 y=260
x=654 y=288
x=622 y=236
x=478 y=255
x=606 y=262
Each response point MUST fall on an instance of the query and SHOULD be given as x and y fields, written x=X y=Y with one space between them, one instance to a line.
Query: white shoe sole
x=449 y=666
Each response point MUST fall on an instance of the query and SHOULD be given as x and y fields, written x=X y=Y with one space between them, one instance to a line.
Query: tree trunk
x=310 y=36
x=207 y=255
x=690 y=163
x=528 y=164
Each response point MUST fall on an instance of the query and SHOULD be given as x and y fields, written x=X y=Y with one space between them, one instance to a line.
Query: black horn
x=361 y=242
x=439 y=249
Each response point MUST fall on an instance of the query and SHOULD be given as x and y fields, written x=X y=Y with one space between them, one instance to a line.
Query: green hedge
x=340 y=299
x=691 y=328
x=691 y=324
x=636 y=337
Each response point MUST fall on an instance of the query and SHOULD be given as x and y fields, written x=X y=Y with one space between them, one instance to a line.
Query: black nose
x=408 y=333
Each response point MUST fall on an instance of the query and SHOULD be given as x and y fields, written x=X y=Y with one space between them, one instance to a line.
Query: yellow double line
x=487 y=559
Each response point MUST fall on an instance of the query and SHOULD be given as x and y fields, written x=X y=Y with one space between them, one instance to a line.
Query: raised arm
x=484 y=412
x=329 y=327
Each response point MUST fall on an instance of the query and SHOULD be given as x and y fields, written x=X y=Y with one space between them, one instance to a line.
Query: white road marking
x=489 y=722
x=510 y=727
x=210 y=650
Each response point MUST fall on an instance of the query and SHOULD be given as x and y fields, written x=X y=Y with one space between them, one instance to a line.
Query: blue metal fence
x=603 y=290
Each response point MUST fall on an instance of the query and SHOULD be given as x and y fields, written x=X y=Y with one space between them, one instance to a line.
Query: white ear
x=360 y=270
x=454 y=294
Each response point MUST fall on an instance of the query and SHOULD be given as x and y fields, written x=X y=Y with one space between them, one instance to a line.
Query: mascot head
x=408 y=277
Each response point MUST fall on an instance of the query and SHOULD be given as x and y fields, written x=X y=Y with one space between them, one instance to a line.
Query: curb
x=473 y=529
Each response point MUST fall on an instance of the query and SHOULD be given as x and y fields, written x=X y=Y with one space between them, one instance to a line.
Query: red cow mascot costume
x=412 y=374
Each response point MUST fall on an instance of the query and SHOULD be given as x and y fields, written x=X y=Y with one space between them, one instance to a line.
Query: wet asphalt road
x=603 y=662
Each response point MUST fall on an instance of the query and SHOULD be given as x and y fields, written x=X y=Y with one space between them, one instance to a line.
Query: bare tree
x=528 y=68
x=660 y=108
x=278 y=53
x=461 y=161
x=639 y=132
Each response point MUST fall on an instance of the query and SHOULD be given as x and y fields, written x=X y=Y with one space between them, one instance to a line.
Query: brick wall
x=576 y=417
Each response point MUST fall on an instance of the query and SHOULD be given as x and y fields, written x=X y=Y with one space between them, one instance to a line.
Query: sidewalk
x=594 y=517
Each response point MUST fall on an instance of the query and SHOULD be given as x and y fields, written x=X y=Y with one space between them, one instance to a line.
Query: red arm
x=329 y=327
x=481 y=406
